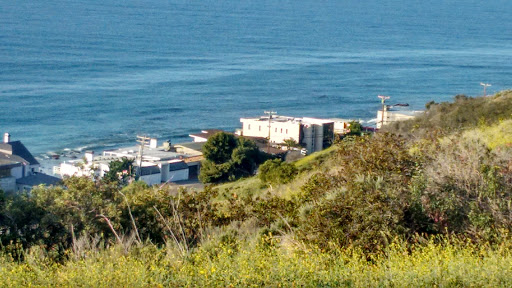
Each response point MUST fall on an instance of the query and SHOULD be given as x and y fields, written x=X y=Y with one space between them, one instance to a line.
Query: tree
x=355 y=128
x=245 y=158
x=119 y=172
x=214 y=173
x=219 y=147
x=290 y=143
x=228 y=158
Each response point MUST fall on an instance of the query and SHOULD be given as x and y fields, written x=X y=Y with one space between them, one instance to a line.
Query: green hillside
x=425 y=202
x=463 y=113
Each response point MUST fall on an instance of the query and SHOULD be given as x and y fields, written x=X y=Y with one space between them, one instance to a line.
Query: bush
x=467 y=189
x=365 y=200
x=277 y=172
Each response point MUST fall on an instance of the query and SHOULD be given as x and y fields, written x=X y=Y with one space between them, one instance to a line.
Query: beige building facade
x=312 y=133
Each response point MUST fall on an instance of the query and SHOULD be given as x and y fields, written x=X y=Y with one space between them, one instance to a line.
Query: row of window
x=259 y=129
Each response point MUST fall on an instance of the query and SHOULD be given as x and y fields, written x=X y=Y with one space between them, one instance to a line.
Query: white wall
x=69 y=169
x=17 y=172
x=152 y=179
x=392 y=116
x=28 y=170
x=178 y=175
x=164 y=170
x=279 y=130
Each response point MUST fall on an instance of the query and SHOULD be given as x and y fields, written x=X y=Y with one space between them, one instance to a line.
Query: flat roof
x=206 y=133
x=153 y=154
x=282 y=119
x=198 y=146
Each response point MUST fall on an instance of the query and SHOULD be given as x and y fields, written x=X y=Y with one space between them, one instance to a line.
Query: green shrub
x=277 y=172
x=228 y=158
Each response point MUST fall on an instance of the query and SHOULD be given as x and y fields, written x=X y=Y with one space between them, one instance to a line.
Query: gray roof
x=8 y=163
x=38 y=179
x=15 y=150
x=198 y=146
x=178 y=166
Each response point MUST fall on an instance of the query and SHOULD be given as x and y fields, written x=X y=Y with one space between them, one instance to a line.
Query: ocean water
x=94 y=74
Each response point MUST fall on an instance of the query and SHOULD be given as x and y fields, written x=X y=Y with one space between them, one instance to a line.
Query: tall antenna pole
x=383 y=98
x=485 y=86
x=270 y=113
x=142 y=141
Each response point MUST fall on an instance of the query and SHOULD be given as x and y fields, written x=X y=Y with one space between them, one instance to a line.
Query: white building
x=158 y=164
x=91 y=167
x=314 y=134
x=341 y=126
x=161 y=157
x=391 y=115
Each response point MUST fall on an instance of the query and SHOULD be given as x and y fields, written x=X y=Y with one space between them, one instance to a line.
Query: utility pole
x=270 y=113
x=485 y=86
x=383 y=98
x=143 y=141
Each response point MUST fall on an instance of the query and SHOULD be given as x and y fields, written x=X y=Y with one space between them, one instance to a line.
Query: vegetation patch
x=420 y=205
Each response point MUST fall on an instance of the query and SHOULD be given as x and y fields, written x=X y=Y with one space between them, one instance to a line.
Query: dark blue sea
x=94 y=74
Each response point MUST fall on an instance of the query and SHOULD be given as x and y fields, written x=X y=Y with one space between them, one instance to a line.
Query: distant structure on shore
x=313 y=134
x=154 y=164
x=281 y=136
x=393 y=113
x=19 y=170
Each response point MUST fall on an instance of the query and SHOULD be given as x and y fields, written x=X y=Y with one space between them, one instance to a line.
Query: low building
x=341 y=126
x=150 y=173
x=90 y=166
x=311 y=133
x=158 y=164
x=165 y=159
x=392 y=114
x=19 y=169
